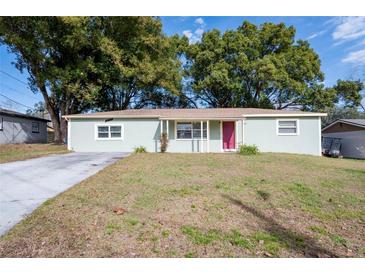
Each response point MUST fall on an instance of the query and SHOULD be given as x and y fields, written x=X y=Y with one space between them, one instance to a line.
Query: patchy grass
x=17 y=152
x=319 y=230
x=263 y=194
x=236 y=238
x=203 y=205
x=270 y=243
x=199 y=237
x=338 y=240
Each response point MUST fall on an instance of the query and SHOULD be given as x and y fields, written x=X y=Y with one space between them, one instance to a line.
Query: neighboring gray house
x=196 y=130
x=17 y=128
x=352 y=135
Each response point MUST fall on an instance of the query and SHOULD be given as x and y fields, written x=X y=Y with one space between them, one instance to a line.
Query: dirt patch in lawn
x=17 y=152
x=203 y=205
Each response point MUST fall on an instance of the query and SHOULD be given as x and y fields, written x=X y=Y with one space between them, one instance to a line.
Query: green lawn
x=16 y=152
x=203 y=205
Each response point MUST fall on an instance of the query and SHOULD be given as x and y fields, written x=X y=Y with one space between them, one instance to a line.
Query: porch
x=202 y=136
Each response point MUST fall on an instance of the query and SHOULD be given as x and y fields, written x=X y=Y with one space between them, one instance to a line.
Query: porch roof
x=196 y=113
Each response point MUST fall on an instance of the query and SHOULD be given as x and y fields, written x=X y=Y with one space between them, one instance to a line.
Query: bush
x=248 y=150
x=140 y=149
x=164 y=142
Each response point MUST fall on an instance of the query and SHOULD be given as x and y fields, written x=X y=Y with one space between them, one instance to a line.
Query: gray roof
x=360 y=122
x=196 y=113
x=353 y=122
x=21 y=115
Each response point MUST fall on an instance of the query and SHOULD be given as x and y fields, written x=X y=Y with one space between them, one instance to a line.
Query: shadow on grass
x=294 y=240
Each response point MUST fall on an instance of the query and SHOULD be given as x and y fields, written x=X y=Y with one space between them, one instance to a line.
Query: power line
x=22 y=93
x=16 y=102
x=7 y=105
x=11 y=76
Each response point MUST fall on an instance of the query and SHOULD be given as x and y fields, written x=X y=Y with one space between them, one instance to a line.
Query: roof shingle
x=194 y=113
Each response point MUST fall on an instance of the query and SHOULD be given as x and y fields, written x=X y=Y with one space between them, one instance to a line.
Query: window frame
x=37 y=130
x=1 y=123
x=109 y=138
x=192 y=130
x=286 y=120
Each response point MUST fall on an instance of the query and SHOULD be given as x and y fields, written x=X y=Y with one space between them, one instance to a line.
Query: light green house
x=196 y=130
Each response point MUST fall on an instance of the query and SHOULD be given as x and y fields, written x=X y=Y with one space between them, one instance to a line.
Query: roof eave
x=107 y=116
x=286 y=115
x=200 y=118
x=24 y=116
x=344 y=122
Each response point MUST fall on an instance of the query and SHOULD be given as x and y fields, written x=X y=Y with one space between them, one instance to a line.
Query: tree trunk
x=64 y=111
x=54 y=115
x=63 y=129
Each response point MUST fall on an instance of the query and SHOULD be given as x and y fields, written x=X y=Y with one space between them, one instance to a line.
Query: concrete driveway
x=24 y=185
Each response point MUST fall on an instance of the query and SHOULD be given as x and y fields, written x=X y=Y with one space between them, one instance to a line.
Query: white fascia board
x=286 y=115
x=109 y=116
x=202 y=119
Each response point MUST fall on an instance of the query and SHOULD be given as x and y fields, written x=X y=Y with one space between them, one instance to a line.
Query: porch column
x=167 y=129
x=208 y=139
x=243 y=131
x=236 y=133
x=201 y=136
x=161 y=128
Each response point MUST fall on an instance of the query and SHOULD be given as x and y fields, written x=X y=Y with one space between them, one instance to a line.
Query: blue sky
x=339 y=41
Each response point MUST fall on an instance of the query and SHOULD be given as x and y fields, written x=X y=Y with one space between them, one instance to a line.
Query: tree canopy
x=141 y=67
x=262 y=66
x=83 y=63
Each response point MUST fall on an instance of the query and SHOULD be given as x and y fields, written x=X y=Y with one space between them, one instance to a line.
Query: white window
x=1 y=124
x=108 y=132
x=190 y=130
x=35 y=127
x=288 y=127
x=183 y=130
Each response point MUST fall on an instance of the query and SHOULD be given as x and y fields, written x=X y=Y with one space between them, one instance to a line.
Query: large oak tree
x=141 y=66
x=262 y=66
x=59 y=55
x=83 y=63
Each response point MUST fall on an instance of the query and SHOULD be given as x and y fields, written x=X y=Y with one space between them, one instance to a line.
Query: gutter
x=286 y=115
x=107 y=116
x=195 y=118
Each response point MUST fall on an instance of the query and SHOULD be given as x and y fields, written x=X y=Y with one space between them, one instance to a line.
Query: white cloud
x=317 y=34
x=187 y=33
x=195 y=36
x=348 y=28
x=199 y=32
x=199 y=21
x=356 y=58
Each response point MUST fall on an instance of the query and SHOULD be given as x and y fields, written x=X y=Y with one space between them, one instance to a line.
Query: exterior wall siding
x=263 y=133
x=146 y=132
x=18 y=130
x=137 y=132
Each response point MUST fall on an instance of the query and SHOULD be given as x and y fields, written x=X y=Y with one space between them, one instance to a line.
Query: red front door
x=228 y=135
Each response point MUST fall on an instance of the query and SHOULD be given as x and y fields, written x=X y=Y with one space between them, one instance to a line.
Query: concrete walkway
x=24 y=185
